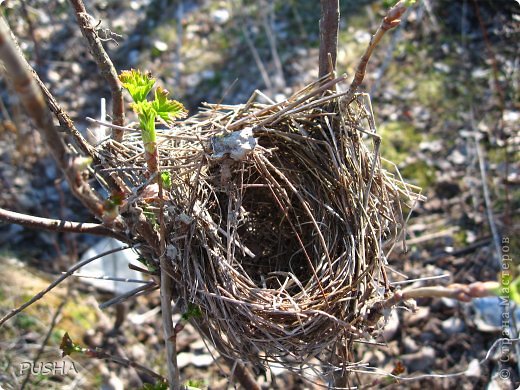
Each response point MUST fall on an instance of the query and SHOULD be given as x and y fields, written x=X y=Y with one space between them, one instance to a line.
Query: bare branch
x=104 y=63
x=18 y=70
x=329 y=26
x=58 y=225
x=54 y=321
x=460 y=292
x=69 y=272
x=68 y=126
x=391 y=20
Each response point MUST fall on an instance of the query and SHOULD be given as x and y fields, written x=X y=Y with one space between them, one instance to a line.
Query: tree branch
x=68 y=126
x=58 y=225
x=329 y=26
x=18 y=70
x=460 y=292
x=391 y=20
x=69 y=272
x=105 y=65
x=169 y=335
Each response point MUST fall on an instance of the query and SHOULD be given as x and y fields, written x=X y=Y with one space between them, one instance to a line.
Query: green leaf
x=167 y=109
x=146 y=114
x=67 y=346
x=166 y=179
x=137 y=84
x=160 y=385
x=193 y=311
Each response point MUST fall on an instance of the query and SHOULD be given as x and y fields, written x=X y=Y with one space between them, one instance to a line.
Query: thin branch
x=169 y=335
x=99 y=354
x=129 y=294
x=329 y=26
x=68 y=347
x=110 y=278
x=66 y=123
x=69 y=272
x=258 y=60
x=487 y=197
x=460 y=292
x=104 y=63
x=166 y=294
x=268 y=23
x=399 y=378
x=18 y=70
x=59 y=225
x=391 y=20
x=67 y=126
x=54 y=321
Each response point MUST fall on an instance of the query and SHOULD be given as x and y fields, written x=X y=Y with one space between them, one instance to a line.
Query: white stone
x=160 y=46
x=220 y=16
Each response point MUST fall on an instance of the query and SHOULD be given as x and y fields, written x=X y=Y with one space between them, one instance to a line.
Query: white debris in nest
x=171 y=251
x=237 y=144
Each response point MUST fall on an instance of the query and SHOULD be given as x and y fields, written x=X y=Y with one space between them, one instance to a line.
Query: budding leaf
x=67 y=346
x=166 y=179
x=146 y=115
x=167 y=109
x=193 y=311
x=138 y=84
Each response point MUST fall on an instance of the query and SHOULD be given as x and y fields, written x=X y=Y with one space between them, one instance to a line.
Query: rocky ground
x=444 y=90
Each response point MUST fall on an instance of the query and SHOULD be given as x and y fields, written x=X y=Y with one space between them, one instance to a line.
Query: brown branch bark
x=105 y=65
x=67 y=125
x=329 y=26
x=460 y=292
x=391 y=20
x=58 y=225
x=18 y=70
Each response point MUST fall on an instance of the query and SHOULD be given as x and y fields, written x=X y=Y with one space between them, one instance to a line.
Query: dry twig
x=18 y=70
x=58 y=225
x=329 y=27
x=104 y=63
x=64 y=276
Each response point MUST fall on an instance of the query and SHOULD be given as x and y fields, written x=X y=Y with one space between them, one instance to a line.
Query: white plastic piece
x=113 y=265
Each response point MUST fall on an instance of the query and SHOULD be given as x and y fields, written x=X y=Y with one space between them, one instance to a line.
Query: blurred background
x=444 y=88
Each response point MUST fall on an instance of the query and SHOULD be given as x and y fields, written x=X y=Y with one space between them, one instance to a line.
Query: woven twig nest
x=276 y=222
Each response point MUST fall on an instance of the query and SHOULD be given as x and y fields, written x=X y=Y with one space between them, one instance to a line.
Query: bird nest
x=276 y=221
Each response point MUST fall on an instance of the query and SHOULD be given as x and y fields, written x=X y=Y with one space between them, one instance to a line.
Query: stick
x=67 y=125
x=123 y=297
x=69 y=272
x=460 y=292
x=329 y=25
x=18 y=70
x=59 y=225
x=391 y=20
x=104 y=63
x=166 y=294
